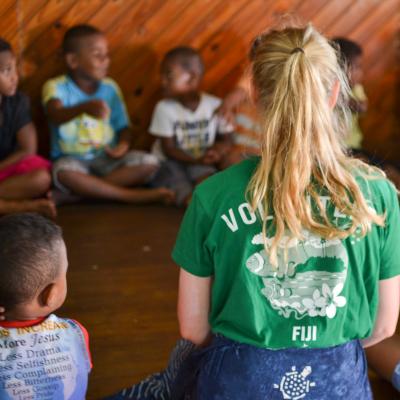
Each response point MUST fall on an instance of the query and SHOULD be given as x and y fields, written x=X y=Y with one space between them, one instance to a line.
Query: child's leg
x=131 y=176
x=93 y=187
x=384 y=357
x=135 y=168
x=173 y=175
x=198 y=173
x=27 y=186
x=45 y=207
x=186 y=177
x=71 y=174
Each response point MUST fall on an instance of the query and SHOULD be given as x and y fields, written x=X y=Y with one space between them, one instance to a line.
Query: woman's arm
x=26 y=145
x=193 y=307
x=388 y=311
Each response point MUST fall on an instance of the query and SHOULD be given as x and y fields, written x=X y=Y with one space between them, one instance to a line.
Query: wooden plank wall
x=141 y=31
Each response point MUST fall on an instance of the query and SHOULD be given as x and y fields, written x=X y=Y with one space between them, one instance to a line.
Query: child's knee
x=142 y=158
x=41 y=179
x=64 y=176
x=147 y=172
x=150 y=169
x=64 y=171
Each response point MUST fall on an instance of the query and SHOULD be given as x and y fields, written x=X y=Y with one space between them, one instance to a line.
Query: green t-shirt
x=329 y=292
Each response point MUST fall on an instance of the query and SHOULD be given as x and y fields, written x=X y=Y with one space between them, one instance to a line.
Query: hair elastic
x=297 y=49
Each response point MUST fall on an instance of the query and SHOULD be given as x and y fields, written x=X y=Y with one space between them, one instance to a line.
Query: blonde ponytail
x=295 y=72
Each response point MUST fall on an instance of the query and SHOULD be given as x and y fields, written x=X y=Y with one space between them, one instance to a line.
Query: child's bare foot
x=45 y=207
x=167 y=196
x=61 y=198
x=143 y=196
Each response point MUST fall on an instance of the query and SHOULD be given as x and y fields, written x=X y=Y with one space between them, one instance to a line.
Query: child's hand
x=118 y=151
x=97 y=108
x=230 y=104
x=2 y=312
x=211 y=157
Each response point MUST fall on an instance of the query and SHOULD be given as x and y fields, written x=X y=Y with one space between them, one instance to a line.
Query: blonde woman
x=290 y=261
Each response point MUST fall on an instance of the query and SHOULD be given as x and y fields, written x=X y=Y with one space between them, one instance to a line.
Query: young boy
x=91 y=129
x=42 y=356
x=24 y=177
x=351 y=54
x=351 y=58
x=239 y=108
x=191 y=138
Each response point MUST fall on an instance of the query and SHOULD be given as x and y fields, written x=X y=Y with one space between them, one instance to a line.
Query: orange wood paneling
x=141 y=31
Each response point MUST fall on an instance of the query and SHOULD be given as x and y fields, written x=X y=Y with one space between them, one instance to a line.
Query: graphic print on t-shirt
x=84 y=134
x=215 y=240
x=48 y=361
x=309 y=277
x=193 y=136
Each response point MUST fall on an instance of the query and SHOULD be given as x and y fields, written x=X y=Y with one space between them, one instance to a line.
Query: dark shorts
x=181 y=177
x=25 y=166
x=228 y=370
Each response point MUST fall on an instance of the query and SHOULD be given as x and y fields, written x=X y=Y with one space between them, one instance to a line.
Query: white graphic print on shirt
x=308 y=279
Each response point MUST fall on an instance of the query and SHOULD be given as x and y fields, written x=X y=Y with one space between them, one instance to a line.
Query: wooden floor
x=122 y=287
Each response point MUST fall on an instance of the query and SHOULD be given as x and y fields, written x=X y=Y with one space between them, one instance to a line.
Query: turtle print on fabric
x=295 y=385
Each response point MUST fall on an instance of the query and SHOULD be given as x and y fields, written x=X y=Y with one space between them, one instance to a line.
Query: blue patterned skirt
x=228 y=370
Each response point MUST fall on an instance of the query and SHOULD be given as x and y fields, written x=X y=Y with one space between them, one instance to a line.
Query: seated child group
x=195 y=135
x=91 y=135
